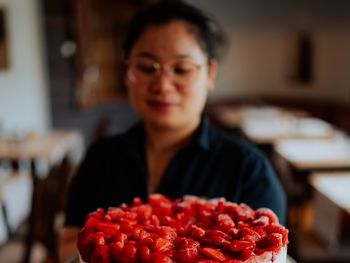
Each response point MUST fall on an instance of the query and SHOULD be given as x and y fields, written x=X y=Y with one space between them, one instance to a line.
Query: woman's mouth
x=160 y=105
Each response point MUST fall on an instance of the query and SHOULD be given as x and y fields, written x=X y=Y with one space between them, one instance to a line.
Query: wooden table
x=317 y=154
x=328 y=240
x=235 y=116
x=48 y=148
x=331 y=202
x=268 y=124
x=305 y=157
x=50 y=156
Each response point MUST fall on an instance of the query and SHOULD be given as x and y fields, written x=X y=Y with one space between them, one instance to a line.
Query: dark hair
x=207 y=31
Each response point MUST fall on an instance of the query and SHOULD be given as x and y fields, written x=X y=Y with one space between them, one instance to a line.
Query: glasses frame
x=160 y=69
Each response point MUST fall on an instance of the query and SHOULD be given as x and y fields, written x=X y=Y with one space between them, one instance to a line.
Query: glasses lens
x=142 y=71
x=145 y=70
x=184 y=72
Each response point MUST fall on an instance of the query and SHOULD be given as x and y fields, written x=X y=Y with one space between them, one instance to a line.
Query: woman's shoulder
x=118 y=142
x=228 y=143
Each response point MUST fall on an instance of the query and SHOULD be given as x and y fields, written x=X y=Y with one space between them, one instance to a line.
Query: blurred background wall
x=263 y=37
x=24 y=101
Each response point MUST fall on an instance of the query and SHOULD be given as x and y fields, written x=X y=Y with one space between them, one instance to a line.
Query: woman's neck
x=161 y=146
x=169 y=140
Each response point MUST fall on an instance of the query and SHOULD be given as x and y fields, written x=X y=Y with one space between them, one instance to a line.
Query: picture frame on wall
x=3 y=42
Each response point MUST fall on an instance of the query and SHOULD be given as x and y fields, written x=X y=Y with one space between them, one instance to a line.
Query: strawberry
x=239 y=245
x=162 y=245
x=273 y=219
x=219 y=241
x=208 y=261
x=260 y=230
x=155 y=221
x=107 y=218
x=184 y=242
x=248 y=233
x=278 y=229
x=146 y=241
x=128 y=254
x=144 y=253
x=218 y=233
x=196 y=232
x=159 y=258
x=167 y=232
x=100 y=254
x=116 y=249
x=136 y=202
x=92 y=221
x=271 y=242
x=108 y=228
x=186 y=255
x=261 y=221
x=138 y=233
x=118 y=237
x=157 y=199
x=144 y=212
x=245 y=254
x=115 y=213
x=225 y=222
x=213 y=253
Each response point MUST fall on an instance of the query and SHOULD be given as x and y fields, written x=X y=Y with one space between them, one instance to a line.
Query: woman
x=170 y=66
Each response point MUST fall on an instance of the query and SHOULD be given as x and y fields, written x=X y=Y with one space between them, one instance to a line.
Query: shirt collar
x=135 y=137
x=202 y=136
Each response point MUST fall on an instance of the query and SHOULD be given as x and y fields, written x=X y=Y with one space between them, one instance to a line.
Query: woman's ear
x=212 y=71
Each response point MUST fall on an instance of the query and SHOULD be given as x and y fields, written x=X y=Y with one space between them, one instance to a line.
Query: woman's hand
x=67 y=247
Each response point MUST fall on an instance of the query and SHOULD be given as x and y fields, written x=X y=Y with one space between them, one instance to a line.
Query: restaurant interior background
x=287 y=64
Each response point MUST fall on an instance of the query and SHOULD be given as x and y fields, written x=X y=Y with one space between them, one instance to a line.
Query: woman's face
x=168 y=76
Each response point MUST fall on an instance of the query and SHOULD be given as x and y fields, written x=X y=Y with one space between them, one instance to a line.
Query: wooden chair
x=48 y=202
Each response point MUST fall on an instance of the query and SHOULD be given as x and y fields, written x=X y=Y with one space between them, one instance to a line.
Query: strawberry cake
x=183 y=230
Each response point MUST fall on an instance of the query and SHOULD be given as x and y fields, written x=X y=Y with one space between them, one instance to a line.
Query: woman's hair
x=205 y=29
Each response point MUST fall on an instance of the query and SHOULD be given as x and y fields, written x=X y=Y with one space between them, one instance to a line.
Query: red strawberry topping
x=188 y=230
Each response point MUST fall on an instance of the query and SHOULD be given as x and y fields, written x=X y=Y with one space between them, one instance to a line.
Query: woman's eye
x=183 y=70
x=147 y=69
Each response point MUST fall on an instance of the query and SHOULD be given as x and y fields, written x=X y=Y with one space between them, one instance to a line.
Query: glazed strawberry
x=101 y=254
x=196 y=232
x=143 y=212
x=248 y=234
x=136 y=202
x=184 y=242
x=87 y=245
x=162 y=245
x=225 y=222
x=273 y=219
x=116 y=213
x=144 y=254
x=246 y=254
x=261 y=221
x=116 y=249
x=278 y=229
x=157 y=199
x=239 y=245
x=167 y=232
x=138 y=233
x=159 y=258
x=271 y=242
x=128 y=254
x=186 y=255
x=108 y=228
x=213 y=253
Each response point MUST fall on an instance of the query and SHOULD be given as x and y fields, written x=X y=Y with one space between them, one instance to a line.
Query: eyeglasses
x=145 y=71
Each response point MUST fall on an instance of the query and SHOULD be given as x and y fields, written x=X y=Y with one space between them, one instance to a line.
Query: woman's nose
x=162 y=82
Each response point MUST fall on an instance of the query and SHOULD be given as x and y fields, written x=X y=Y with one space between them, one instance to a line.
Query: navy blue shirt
x=213 y=164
